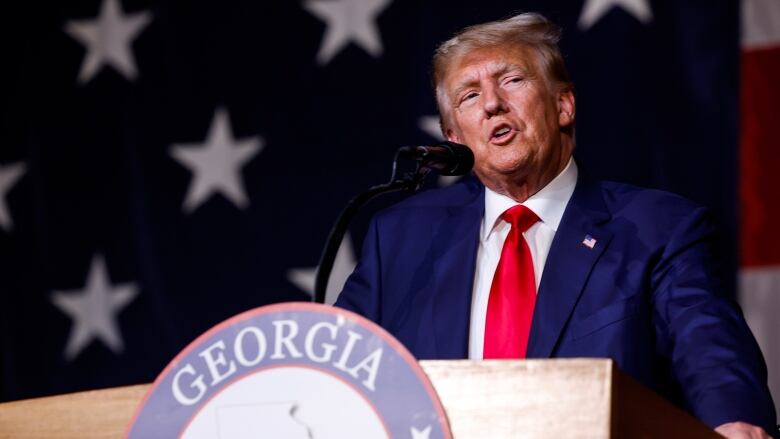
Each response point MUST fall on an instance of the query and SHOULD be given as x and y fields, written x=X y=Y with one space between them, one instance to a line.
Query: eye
x=468 y=96
x=513 y=80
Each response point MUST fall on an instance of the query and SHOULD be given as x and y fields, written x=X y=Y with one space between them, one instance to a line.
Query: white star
x=421 y=434
x=9 y=174
x=430 y=125
x=94 y=310
x=216 y=163
x=108 y=39
x=343 y=266
x=593 y=10
x=348 y=21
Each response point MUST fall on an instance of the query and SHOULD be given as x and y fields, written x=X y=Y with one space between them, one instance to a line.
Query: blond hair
x=529 y=30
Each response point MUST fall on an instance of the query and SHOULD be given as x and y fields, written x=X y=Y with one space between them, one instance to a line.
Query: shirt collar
x=548 y=204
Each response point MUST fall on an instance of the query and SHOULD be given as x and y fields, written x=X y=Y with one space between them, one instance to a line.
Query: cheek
x=466 y=133
x=484 y=159
x=534 y=110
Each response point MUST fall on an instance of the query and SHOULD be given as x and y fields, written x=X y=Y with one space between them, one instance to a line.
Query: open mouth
x=501 y=133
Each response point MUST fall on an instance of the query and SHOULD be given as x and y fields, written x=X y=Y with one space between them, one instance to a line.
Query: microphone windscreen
x=461 y=162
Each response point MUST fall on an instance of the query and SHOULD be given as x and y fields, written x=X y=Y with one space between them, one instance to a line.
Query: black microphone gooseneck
x=448 y=158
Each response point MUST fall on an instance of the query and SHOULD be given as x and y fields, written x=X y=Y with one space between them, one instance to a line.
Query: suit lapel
x=455 y=254
x=568 y=265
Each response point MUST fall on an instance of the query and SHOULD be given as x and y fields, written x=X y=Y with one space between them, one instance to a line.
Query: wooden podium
x=561 y=398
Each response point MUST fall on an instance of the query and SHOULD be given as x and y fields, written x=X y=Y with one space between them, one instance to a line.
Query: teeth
x=501 y=132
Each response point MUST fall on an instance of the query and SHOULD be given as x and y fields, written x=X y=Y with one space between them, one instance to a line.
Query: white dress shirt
x=548 y=204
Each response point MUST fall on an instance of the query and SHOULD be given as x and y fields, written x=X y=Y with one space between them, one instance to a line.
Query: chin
x=498 y=178
x=510 y=168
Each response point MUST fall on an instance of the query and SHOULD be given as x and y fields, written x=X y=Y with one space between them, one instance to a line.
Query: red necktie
x=513 y=293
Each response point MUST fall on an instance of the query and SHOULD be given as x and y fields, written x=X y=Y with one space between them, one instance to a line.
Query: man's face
x=500 y=105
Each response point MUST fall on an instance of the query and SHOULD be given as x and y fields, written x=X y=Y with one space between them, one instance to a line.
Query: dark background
x=656 y=106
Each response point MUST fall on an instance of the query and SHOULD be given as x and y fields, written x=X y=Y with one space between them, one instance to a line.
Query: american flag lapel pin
x=589 y=241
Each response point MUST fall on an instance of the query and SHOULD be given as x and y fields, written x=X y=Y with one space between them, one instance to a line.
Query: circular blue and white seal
x=293 y=370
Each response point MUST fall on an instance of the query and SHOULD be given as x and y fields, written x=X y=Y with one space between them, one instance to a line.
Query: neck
x=520 y=188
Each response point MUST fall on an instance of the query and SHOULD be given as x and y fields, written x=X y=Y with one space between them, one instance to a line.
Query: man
x=538 y=260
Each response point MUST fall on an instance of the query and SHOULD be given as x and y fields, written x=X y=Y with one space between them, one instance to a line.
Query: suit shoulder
x=625 y=198
x=653 y=212
x=460 y=194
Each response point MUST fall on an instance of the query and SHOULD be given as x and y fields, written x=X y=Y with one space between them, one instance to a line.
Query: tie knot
x=520 y=217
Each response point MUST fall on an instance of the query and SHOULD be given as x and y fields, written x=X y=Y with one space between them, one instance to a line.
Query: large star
x=343 y=266
x=348 y=21
x=108 y=39
x=430 y=126
x=593 y=10
x=9 y=174
x=94 y=310
x=216 y=163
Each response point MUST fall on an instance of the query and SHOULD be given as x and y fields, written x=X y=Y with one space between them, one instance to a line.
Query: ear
x=567 y=107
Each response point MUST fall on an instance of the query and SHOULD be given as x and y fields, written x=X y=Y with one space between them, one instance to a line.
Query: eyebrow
x=495 y=70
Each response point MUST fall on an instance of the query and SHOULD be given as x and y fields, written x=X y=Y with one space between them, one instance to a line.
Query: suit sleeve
x=361 y=292
x=712 y=352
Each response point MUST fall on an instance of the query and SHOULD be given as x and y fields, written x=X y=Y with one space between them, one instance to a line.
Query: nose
x=493 y=101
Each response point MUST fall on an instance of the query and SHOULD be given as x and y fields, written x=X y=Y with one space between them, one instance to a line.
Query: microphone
x=448 y=158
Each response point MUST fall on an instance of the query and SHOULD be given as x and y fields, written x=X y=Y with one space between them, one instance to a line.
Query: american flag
x=168 y=164
x=759 y=183
x=589 y=241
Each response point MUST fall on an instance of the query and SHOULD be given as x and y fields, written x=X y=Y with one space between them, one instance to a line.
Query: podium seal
x=292 y=370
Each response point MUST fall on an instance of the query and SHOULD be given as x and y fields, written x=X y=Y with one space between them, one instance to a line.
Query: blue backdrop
x=167 y=164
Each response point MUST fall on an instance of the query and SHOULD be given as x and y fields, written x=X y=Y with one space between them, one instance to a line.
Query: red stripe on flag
x=760 y=158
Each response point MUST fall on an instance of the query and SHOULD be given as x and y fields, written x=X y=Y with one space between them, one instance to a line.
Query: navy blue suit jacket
x=647 y=294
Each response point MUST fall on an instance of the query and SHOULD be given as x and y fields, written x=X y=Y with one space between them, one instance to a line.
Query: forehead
x=493 y=60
